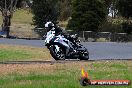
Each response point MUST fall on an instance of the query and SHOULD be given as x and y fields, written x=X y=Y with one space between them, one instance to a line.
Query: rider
x=51 y=26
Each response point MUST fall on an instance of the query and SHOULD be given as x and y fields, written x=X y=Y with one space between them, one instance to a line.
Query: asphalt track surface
x=97 y=50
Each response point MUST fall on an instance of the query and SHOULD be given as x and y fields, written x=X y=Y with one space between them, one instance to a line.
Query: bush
x=44 y=10
x=87 y=15
x=110 y=27
x=127 y=27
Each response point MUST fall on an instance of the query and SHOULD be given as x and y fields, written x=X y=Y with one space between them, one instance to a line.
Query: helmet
x=49 y=25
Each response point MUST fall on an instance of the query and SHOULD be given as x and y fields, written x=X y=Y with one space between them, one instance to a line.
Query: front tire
x=60 y=55
x=84 y=55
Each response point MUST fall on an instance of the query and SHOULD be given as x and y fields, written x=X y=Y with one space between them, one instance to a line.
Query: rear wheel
x=57 y=52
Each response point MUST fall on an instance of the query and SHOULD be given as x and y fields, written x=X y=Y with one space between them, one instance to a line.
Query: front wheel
x=57 y=52
x=84 y=55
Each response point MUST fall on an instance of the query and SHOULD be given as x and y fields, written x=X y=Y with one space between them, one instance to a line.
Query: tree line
x=82 y=15
x=85 y=15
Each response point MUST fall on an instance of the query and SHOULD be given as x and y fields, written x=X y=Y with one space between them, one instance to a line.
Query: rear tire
x=56 y=56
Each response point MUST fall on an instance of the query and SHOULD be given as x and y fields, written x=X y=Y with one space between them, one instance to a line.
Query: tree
x=125 y=9
x=108 y=4
x=24 y=3
x=64 y=9
x=7 y=7
x=44 y=10
x=87 y=15
x=112 y=7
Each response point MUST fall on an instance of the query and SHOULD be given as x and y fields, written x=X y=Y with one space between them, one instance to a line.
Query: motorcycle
x=61 y=48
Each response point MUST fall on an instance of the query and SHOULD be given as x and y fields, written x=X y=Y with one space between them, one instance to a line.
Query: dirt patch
x=41 y=68
x=24 y=69
x=23 y=31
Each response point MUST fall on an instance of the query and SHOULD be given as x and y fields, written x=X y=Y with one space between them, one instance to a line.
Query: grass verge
x=20 y=53
x=62 y=75
x=55 y=75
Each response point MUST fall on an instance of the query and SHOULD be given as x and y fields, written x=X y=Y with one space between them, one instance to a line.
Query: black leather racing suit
x=58 y=31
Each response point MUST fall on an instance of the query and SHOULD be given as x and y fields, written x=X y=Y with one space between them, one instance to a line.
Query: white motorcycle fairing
x=62 y=40
x=59 y=40
x=49 y=36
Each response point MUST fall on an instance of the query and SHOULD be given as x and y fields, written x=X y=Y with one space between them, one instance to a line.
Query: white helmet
x=49 y=24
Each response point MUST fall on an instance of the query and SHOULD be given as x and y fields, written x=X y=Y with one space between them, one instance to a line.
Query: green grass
x=67 y=75
x=57 y=75
x=20 y=53
x=39 y=81
x=6 y=55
